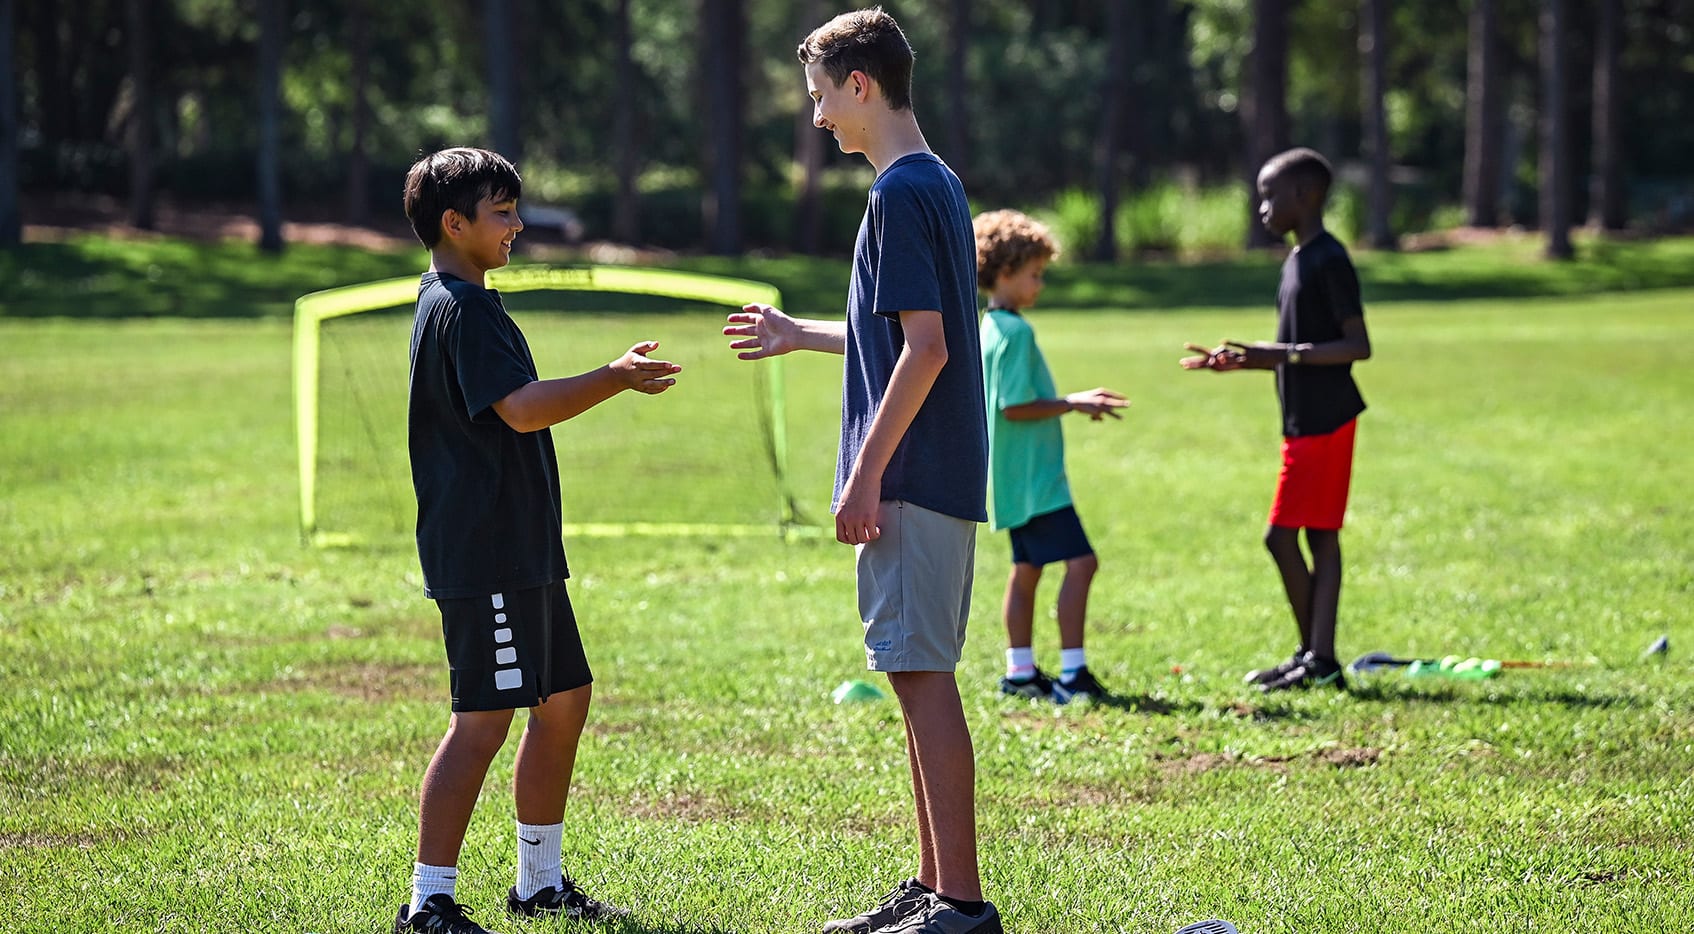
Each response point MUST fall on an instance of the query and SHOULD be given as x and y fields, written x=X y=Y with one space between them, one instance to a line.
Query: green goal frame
x=311 y=310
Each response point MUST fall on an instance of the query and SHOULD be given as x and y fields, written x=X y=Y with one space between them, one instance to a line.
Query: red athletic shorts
x=1311 y=492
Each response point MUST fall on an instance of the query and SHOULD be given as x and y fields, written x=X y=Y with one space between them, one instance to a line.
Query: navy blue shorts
x=1049 y=537
x=514 y=649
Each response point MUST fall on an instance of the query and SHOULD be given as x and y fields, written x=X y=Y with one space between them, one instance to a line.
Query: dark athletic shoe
x=440 y=914
x=937 y=916
x=1081 y=684
x=565 y=900
x=895 y=907
x=1037 y=686
x=1314 y=671
x=1263 y=676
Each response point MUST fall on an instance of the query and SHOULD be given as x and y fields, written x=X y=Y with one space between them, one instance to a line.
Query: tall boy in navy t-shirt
x=1320 y=332
x=489 y=520
x=912 y=473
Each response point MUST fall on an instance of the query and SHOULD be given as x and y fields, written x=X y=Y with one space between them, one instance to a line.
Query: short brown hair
x=457 y=179
x=1005 y=240
x=868 y=41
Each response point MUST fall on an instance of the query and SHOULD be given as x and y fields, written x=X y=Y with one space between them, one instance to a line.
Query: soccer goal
x=710 y=457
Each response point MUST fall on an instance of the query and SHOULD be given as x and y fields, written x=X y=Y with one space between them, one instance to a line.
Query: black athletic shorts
x=512 y=650
x=1049 y=537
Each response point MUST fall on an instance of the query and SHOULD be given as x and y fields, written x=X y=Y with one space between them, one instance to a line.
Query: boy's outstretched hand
x=1097 y=403
x=643 y=374
x=1220 y=359
x=767 y=332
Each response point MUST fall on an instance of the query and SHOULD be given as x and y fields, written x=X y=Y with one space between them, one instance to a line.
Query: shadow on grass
x=1560 y=695
x=1148 y=704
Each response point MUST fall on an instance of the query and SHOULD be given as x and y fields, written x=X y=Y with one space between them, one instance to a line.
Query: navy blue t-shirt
x=916 y=252
x=1319 y=291
x=489 y=513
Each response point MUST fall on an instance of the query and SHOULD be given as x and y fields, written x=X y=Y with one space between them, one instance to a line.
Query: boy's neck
x=1308 y=230
x=897 y=136
x=442 y=259
x=995 y=304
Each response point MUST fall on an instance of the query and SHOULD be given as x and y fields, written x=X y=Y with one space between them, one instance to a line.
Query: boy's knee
x=480 y=733
x=1279 y=539
x=1026 y=576
x=1082 y=567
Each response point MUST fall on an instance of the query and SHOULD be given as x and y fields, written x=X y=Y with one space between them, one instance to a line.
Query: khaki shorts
x=915 y=589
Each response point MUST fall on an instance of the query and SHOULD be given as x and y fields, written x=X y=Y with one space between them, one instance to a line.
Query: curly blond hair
x=1006 y=240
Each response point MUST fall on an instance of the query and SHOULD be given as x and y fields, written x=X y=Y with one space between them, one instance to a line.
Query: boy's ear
x=861 y=85
x=452 y=223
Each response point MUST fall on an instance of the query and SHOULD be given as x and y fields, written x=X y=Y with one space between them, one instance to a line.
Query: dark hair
x=868 y=41
x=458 y=179
x=1005 y=241
x=1302 y=165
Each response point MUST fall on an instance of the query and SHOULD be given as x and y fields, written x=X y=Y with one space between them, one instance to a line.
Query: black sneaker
x=936 y=916
x=1080 y=684
x=1313 y=671
x=1037 y=686
x=565 y=900
x=905 y=901
x=440 y=914
x=1263 y=676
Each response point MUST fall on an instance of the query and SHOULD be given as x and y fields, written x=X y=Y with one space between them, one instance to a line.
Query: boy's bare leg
x=1019 y=606
x=927 y=872
x=547 y=755
x=453 y=780
x=939 y=743
x=1284 y=546
x=1073 y=600
x=1326 y=589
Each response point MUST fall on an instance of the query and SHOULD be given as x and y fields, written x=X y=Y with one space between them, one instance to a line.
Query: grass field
x=205 y=726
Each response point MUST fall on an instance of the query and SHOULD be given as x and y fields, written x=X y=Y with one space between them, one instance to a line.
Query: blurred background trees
x=1134 y=125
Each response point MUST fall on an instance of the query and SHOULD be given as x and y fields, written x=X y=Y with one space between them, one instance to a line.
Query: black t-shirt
x=489 y=514
x=1319 y=291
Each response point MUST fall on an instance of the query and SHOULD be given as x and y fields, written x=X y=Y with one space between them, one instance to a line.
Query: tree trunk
x=11 y=223
x=1555 y=147
x=1373 y=39
x=1483 y=126
x=138 y=16
x=721 y=78
x=958 y=95
x=808 y=157
x=497 y=40
x=1109 y=146
x=358 y=156
x=626 y=207
x=272 y=21
x=1264 y=101
x=1607 y=207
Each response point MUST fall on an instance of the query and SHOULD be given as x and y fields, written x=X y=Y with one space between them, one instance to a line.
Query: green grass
x=206 y=726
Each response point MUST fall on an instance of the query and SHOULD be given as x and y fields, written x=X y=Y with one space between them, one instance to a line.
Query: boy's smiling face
x=834 y=106
x=486 y=242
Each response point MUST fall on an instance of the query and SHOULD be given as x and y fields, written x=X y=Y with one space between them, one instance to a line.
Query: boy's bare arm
x=914 y=374
x=547 y=402
x=768 y=332
x=1352 y=346
x=1095 y=403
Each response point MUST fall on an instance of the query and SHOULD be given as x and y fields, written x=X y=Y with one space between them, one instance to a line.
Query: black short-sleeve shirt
x=489 y=512
x=1319 y=291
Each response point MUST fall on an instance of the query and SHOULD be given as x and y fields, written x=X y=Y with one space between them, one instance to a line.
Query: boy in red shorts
x=1320 y=332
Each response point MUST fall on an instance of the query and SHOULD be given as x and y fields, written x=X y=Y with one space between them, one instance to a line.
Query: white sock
x=1071 y=661
x=431 y=880
x=1020 y=662
x=539 y=852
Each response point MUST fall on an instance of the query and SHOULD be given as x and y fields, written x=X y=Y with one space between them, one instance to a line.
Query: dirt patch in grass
x=1203 y=762
x=687 y=808
x=368 y=680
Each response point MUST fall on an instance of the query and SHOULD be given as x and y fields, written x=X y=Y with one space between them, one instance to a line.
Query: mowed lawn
x=207 y=726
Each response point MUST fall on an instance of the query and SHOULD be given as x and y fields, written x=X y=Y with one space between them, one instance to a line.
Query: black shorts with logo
x=512 y=650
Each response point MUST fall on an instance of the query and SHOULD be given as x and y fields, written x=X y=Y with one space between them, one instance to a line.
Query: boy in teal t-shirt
x=1028 y=491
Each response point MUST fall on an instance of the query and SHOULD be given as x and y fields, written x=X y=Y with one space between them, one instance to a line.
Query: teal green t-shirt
x=1026 y=460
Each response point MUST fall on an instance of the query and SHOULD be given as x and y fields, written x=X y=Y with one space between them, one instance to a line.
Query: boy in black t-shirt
x=489 y=519
x=1320 y=332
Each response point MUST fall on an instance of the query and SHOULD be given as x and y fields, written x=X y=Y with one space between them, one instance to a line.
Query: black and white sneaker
x=564 y=900
x=1263 y=676
x=1314 y=671
x=1037 y=686
x=1210 y=926
x=906 y=900
x=1080 y=684
x=440 y=914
